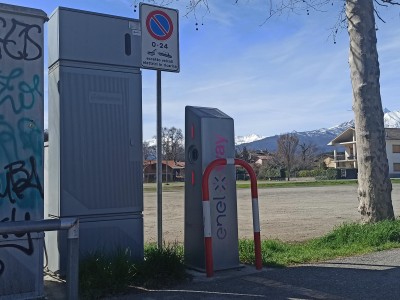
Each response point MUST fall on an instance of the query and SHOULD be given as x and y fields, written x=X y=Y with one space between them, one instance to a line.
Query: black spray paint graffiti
x=17 y=41
x=28 y=250
x=26 y=92
x=18 y=179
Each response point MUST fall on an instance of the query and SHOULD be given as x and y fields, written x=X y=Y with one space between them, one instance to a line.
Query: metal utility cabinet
x=209 y=134
x=95 y=132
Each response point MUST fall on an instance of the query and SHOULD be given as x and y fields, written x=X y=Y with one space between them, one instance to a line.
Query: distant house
x=171 y=171
x=263 y=159
x=348 y=160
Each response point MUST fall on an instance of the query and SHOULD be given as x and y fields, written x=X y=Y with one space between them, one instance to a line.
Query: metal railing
x=343 y=157
x=70 y=224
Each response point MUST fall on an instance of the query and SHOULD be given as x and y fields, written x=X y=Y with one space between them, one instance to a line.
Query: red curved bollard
x=207 y=211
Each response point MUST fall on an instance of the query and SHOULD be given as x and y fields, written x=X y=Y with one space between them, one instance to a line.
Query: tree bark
x=374 y=185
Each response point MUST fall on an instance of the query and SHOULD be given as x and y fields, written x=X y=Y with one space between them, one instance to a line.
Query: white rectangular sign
x=160 y=38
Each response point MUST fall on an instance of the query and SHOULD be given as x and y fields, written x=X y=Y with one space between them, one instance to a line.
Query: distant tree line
x=290 y=157
x=172 y=142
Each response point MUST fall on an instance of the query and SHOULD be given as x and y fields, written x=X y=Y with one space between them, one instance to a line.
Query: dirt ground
x=288 y=214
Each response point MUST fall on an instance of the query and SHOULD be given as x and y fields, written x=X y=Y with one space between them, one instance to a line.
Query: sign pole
x=159 y=51
x=159 y=163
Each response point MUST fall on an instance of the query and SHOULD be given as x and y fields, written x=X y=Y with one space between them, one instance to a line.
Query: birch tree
x=374 y=185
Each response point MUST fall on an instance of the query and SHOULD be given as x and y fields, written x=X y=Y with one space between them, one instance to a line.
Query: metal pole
x=73 y=262
x=159 y=163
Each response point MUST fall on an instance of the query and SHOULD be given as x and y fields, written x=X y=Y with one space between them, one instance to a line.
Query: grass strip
x=161 y=267
x=345 y=240
x=179 y=186
x=102 y=275
x=288 y=184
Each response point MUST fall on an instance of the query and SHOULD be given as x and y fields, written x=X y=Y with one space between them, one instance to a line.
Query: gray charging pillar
x=209 y=134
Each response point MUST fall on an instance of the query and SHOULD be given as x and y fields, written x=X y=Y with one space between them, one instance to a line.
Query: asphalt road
x=372 y=276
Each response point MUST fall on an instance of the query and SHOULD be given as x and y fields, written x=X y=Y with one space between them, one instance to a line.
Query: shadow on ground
x=372 y=276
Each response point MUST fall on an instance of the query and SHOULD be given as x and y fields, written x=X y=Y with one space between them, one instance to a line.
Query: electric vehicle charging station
x=209 y=134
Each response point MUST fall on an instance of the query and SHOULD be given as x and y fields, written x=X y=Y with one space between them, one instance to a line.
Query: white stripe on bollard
x=230 y=161
x=256 y=215
x=207 y=218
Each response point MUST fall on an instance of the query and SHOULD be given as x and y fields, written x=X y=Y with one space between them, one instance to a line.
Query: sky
x=273 y=77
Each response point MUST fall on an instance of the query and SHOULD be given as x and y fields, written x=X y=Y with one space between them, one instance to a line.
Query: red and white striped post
x=207 y=211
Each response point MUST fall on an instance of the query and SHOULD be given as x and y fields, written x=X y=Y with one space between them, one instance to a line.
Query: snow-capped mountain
x=238 y=139
x=392 y=119
x=151 y=142
x=247 y=138
x=320 y=137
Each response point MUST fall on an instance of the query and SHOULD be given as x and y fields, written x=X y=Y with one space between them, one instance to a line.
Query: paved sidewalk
x=371 y=276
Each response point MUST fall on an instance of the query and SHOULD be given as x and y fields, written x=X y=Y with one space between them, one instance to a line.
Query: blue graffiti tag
x=26 y=92
x=8 y=143
x=31 y=136
x=18 y=39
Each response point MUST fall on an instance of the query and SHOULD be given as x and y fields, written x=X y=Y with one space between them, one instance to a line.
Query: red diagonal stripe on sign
x=160 y=25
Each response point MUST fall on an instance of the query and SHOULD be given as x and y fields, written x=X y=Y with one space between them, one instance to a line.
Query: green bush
x=333 y=174
x=312 y=173
x=266 y=173
x=320 y=174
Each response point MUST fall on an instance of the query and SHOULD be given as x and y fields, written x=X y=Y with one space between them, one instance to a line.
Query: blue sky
x=285 y=75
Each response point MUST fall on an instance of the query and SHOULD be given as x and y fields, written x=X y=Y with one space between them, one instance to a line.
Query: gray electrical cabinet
x=95 y=133
x=209 y=134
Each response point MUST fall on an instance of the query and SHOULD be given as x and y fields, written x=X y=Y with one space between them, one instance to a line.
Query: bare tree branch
x=378 y=15
x=391 y=2
x=194 y=5
x=380 y=4
x=341 y=24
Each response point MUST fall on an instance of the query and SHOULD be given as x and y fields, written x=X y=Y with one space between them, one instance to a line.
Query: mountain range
x=247 y=139
x=319 y=137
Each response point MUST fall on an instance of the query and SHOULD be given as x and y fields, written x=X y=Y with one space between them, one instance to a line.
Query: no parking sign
x=160 y=38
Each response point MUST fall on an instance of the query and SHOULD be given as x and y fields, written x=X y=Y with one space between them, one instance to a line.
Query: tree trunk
x=374 y=186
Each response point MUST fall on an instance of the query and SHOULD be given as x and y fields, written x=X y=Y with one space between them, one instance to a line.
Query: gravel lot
x=288 y=214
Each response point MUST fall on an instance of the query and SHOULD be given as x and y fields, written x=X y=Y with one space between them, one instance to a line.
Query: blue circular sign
x=159 y=25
